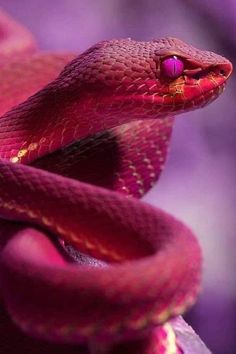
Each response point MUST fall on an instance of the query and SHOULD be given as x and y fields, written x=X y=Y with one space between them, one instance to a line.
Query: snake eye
x=172 y=67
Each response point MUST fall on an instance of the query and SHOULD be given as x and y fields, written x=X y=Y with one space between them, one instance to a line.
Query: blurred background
x=198 y=184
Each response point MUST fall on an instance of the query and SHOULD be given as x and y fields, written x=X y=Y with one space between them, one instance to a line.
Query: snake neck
x=46 y=121
x=57 y=116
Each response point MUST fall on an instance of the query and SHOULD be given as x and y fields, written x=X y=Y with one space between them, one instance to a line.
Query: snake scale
x=82 y=138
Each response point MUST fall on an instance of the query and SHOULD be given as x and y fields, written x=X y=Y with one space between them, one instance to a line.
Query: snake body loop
x=73 y=156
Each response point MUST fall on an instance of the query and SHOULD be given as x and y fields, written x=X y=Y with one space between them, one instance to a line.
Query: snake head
x=189 y=78
x=135 y=79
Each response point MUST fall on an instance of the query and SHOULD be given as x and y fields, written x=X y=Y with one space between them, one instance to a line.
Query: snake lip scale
x=81 y=138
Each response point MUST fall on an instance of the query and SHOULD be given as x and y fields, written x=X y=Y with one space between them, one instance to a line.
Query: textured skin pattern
x=139 y=266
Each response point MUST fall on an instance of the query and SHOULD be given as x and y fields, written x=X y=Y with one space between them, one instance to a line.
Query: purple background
x=198 y=184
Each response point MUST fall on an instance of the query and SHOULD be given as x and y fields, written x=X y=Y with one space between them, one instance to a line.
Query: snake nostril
x=197 y=76
x=222 y=72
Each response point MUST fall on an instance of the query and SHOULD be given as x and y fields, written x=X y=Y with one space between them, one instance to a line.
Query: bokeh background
x=198 y=184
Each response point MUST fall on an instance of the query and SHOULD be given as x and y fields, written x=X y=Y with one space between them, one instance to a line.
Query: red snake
x=75 y=152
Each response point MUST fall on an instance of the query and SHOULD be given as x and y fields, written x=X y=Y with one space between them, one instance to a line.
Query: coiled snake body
x=73 y=157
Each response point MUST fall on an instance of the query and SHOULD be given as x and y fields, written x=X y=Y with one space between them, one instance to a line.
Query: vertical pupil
x=174 y=67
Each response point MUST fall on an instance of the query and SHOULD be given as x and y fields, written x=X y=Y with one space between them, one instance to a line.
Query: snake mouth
x=205 y=98
x=193 y=97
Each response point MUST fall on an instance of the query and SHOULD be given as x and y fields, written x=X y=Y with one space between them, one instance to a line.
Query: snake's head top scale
x=148 y=79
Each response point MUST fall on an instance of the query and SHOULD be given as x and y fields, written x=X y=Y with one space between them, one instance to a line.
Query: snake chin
x=176 y=102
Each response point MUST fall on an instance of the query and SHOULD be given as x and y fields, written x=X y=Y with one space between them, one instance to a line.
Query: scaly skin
x=142 y=266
